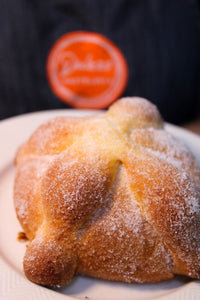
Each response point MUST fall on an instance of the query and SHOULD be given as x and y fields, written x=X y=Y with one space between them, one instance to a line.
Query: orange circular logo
x=86 y=70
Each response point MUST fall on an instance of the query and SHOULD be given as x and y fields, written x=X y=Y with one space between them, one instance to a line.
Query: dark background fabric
x=160 y=40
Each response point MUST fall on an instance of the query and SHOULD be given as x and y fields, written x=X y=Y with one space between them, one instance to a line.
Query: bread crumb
x=21 y=237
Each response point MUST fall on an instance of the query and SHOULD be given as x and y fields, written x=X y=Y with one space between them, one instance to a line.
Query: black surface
x=160 y=40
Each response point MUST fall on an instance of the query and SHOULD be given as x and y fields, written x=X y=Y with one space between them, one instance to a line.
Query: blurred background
x=160 y=41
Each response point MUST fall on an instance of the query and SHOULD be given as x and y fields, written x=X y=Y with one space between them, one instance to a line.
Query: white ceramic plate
x=13 y=284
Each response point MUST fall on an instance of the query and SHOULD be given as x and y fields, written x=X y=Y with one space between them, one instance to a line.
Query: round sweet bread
x=112 y=196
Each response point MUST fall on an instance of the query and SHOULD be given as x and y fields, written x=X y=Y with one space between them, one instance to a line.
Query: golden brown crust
x=119 y=244
x=112 y=196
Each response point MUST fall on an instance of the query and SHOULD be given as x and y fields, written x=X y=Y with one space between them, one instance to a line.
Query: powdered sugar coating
x=116 y=194
x=121 y=217
x=27 y=193
x=128 y=114
x=168 y=148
